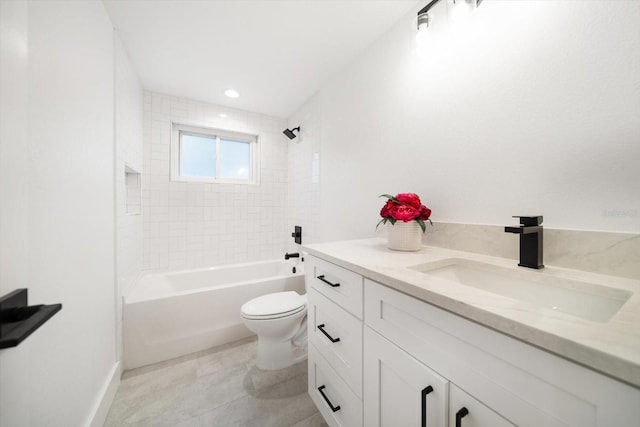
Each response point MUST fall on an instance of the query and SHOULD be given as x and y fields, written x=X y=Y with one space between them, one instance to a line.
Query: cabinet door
x=465 y=411
x=399 y=390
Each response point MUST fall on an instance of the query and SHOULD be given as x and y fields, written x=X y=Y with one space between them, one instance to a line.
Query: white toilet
x=279 y=320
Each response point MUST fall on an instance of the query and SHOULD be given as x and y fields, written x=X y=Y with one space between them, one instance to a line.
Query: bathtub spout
x=293 y=255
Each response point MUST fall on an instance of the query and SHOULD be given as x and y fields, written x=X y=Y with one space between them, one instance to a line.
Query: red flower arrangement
x=404 y=207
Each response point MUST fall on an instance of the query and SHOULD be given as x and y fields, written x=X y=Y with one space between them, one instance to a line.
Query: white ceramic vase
x=404 y=236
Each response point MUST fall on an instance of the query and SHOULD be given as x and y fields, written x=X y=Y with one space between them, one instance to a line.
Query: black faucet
x=293 y=255
x=530 y=232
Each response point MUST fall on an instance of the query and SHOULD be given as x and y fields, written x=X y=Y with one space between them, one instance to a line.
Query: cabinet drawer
x=337 y=403
x=340 y=285
x=338 y=336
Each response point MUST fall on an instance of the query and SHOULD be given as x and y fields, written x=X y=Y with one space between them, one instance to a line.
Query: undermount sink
x=581 y=299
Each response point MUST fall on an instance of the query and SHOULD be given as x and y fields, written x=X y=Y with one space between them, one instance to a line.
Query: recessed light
x=231 y=93
x=223 y=115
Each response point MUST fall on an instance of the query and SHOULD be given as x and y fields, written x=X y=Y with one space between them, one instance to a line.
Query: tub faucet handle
x=293 y=255
x=297 y=234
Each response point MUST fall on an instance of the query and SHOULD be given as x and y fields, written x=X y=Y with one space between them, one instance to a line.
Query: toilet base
x=278 y=355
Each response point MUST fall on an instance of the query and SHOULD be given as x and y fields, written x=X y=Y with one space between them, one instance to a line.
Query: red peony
x=410 y=199
x=404 y=213
x=386 y=209
x=404 y=207
x=425 y=213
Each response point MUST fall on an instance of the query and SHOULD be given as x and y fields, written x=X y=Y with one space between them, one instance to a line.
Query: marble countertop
x=611 y=347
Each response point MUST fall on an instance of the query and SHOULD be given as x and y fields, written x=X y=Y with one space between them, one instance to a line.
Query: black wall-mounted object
x=433 y=3
x=530 y=232
x=293 y=255
x=427 y=7
x=297 y=234
x=18 y=320
x=289 y=132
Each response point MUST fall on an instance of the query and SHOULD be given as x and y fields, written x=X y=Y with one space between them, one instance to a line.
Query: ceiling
x=275 y=53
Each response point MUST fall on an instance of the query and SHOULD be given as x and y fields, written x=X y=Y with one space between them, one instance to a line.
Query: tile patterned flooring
x=216 y=387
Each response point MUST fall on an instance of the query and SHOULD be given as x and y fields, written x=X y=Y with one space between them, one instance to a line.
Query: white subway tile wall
x=190 y=225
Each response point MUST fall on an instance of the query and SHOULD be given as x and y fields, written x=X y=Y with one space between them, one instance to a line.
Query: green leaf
x=382 y=221
x=421 y=224
x=390 y=197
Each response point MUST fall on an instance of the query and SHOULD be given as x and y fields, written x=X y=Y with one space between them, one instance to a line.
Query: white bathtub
x=167 y=315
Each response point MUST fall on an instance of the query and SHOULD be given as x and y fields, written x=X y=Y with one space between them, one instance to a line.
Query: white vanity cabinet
x=499 y=380
x=381 y=358
x=334 y=322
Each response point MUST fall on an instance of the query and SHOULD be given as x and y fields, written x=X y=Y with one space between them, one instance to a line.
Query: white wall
x=533 y=108
x=15 y=373
x=128 y=128
x=190 y=225
x=58 y=197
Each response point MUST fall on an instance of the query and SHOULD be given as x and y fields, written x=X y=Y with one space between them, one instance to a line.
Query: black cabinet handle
x=333 y=285
x=326 y=399
x=321 y=327
x=18 y=319
x=428 y=389
x=463 y=412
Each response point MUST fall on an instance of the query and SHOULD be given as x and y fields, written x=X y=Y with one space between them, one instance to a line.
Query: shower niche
x=132 y=181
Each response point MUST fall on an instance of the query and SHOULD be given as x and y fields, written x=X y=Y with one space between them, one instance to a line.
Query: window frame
x=177 y=129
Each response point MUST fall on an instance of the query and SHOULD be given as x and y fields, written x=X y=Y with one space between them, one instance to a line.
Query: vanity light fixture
x=474 y=3
x=423 y=14
x=462 y=9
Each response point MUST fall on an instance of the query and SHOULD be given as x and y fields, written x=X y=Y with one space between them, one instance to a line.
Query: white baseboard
x=101 y=409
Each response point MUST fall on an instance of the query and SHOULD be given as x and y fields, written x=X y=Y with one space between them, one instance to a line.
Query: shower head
x=290 y=133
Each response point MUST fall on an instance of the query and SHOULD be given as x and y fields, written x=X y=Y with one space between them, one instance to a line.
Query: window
x=210 y=155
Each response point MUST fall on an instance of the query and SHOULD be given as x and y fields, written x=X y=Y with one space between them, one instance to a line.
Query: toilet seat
x=274 y=306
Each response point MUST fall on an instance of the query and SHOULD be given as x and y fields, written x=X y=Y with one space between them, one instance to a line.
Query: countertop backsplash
x=616 y=254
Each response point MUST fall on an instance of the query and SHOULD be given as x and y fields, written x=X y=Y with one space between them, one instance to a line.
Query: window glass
x=197 y=155
x=213 y=155
x=235 y=159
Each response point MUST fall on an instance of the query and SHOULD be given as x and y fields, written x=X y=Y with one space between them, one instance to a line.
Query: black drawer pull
x=332 y=339
x=428 y=389
x=460 y=415
x=333 y=285
x=326 y=399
